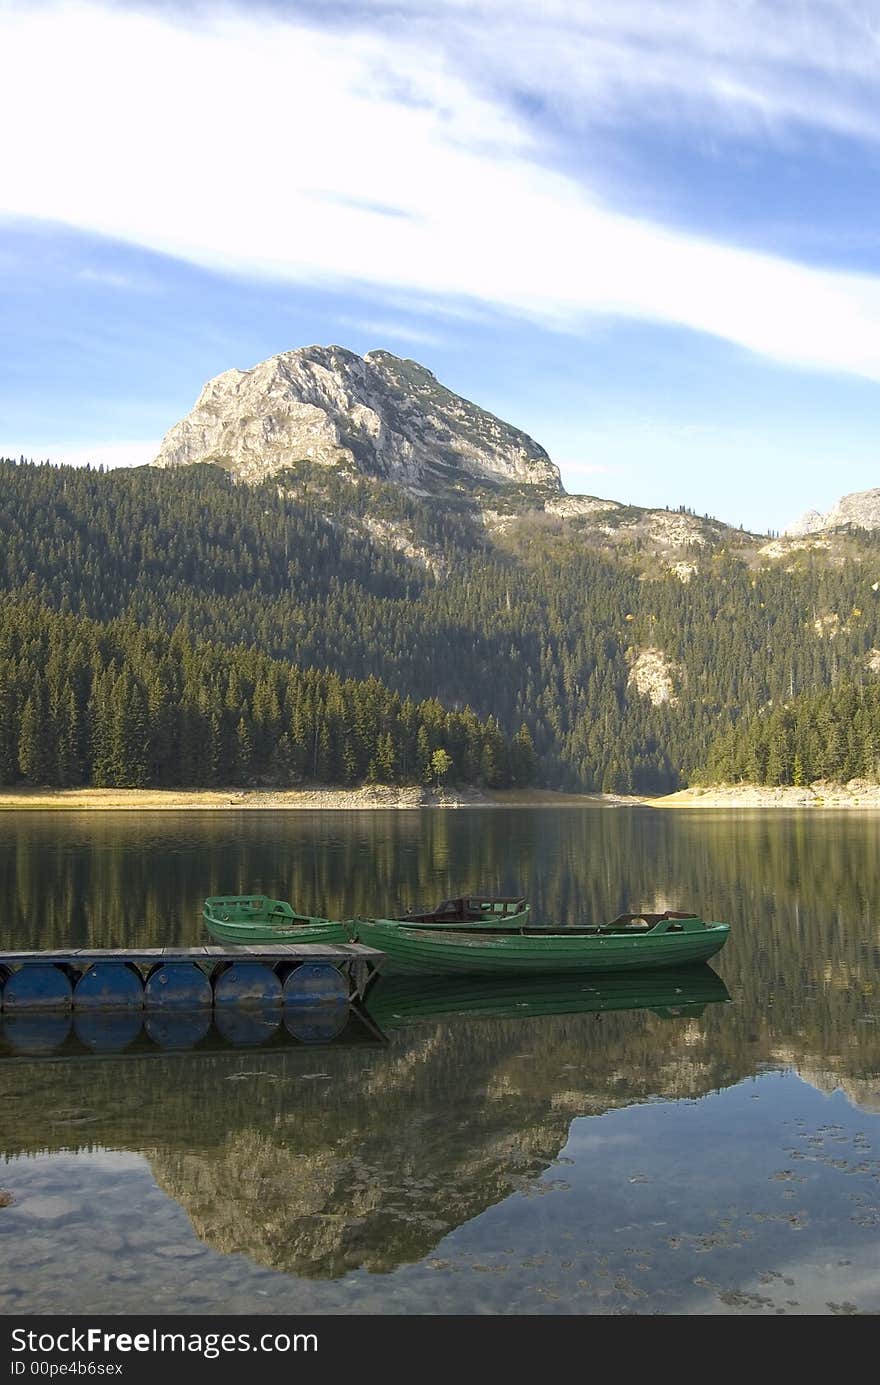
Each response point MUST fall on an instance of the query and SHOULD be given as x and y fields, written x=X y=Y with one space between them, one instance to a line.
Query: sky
x=646 y=233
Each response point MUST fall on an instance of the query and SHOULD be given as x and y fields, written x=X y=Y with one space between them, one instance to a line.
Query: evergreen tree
x=523 y=761
x=32 y=759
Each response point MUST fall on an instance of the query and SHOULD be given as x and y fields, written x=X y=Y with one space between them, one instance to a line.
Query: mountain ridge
x=377 y=415
x=318 y=415
x=859 y=509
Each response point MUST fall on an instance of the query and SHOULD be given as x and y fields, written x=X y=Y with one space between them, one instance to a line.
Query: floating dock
x=283 y=976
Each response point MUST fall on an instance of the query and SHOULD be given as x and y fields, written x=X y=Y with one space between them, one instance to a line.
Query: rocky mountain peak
x=378 y=414
x=861 y=509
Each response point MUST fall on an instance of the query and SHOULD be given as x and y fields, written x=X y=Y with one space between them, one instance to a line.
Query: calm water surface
x=564 y=1155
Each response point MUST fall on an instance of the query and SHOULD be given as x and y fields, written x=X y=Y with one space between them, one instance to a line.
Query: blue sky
x=645 y=233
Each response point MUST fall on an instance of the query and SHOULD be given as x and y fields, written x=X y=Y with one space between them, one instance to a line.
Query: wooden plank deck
x=269 y=952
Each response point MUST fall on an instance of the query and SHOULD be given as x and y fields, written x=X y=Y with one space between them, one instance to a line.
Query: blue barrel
x=169 y=1027
x=247 y=1026
x=35 y=1033
x=178 y=986
x=107 y=1031
x=316 y=1024
x=37 y=986
x=109 y=986
x=247 y=984
x=315 y=983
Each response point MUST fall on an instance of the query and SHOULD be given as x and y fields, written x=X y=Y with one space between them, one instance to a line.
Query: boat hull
x=247 y=934
x=249 y=920
x=414 y=950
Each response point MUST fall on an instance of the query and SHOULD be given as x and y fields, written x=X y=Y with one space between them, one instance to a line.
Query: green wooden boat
x=254 y=918
x=641 y=942
x=489 y=911
x=397 y=1001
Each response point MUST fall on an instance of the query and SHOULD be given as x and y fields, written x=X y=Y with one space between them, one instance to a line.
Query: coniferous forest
x=833 y=735
x=119 y=706
x=173 y=628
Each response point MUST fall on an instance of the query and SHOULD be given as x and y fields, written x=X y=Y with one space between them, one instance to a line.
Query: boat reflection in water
x=396 y=1001
x=392 y=1003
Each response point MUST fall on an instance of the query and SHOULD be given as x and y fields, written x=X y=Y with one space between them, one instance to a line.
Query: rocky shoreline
x=856 y=794
x=315 y=797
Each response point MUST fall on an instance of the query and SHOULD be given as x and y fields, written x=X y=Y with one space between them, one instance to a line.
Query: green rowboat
x=640 y=942
x=254 y=918
x=395 y=1002
x=487 y=911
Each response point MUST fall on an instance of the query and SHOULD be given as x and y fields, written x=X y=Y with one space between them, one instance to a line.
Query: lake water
x=690 y=1155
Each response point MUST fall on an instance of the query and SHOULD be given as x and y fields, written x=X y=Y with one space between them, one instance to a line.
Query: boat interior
x=470 y=908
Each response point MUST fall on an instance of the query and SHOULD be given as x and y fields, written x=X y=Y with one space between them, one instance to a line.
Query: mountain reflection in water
x=328 y=1161
x=320 y=1160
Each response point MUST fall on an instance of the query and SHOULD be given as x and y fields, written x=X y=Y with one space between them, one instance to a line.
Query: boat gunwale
x=500 y=941
x=547 y=932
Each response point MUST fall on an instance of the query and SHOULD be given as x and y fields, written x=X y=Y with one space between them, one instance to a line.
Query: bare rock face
x=377 y=414
x=810 y=523
x=861 y=509
x=653 y=674
x=580 y=506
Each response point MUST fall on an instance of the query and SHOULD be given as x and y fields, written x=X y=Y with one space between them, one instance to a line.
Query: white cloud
x=384 y=158
x=106 y=454
x=736 y=63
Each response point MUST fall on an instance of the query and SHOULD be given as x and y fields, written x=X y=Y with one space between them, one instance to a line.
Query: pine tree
x=31 y=754
x=244 y=753
x=523 y=761
x=8 y=740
